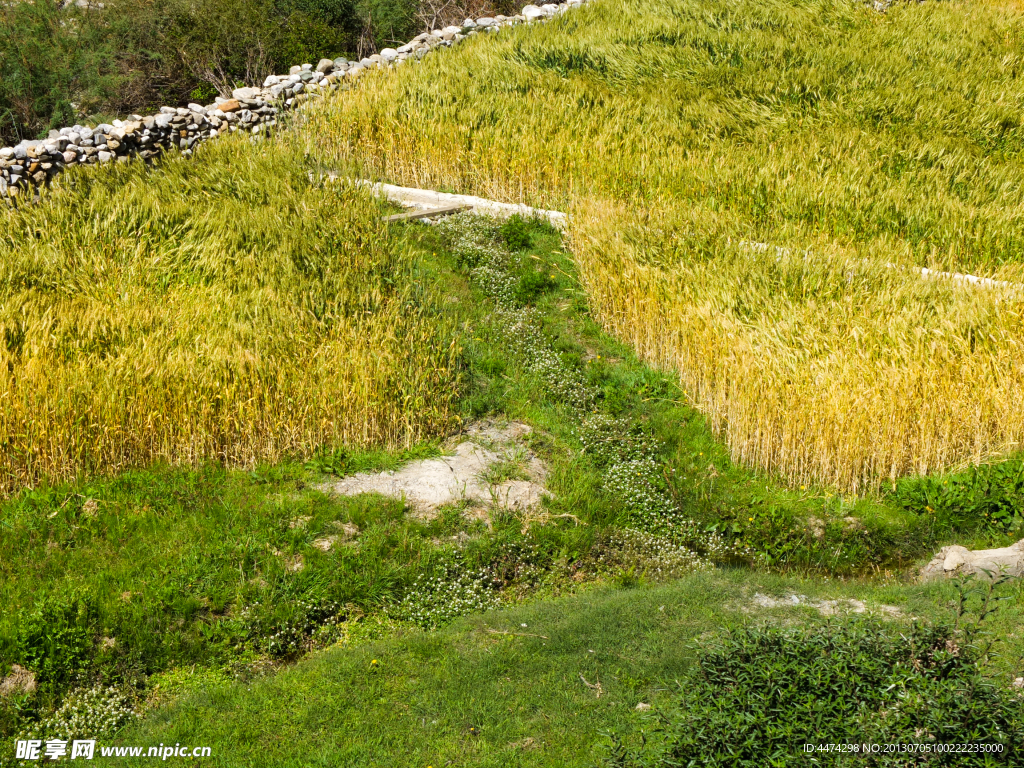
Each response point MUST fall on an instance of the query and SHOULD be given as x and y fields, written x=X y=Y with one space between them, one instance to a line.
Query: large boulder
x=956 y=560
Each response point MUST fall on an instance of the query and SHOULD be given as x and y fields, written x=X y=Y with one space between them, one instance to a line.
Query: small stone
x=231 y=105
x=389 y=54
x=244 y=94
x=105 y=156
x=295 y=70
x=324 y=66
x=642 y=707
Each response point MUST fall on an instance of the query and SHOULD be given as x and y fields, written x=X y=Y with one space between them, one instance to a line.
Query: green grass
x=514 y=676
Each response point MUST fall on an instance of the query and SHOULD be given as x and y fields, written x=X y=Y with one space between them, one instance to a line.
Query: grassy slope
x=675 y=130
x=522 y=692
x=203 y=543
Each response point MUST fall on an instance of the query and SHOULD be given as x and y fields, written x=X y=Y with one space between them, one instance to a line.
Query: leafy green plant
x=330 y=462
x=55 y=640
x=987 y=496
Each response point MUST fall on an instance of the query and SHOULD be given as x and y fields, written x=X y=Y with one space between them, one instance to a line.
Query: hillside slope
x=679 y=132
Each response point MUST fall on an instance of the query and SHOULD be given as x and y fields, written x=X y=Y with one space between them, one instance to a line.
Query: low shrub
x=758 y=695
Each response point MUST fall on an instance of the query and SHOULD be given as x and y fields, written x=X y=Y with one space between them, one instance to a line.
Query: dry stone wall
x=254 y=110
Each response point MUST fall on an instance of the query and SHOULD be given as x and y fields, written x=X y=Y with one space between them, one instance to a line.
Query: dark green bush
x=758 y=696
x=532 y=284
x=49 y=58
x=516 y=233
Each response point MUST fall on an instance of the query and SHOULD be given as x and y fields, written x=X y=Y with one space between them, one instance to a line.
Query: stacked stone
x=32 y=164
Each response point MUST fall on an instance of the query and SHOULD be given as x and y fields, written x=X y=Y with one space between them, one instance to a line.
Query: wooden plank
x=446 y=210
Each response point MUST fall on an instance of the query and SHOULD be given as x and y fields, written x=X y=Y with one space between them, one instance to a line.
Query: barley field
x=678 y=132
x=226 y=308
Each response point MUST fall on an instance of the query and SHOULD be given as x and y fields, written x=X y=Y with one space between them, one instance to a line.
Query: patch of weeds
x=97 y=712
x=56 y=641
x=451 y=520
x=519 y=562
x=990 y=497
x=286 y=629
x=341 y=462
x=452 y=590
x=609 y=441
x=179 y=682
x=632 y=554
x=512 y=467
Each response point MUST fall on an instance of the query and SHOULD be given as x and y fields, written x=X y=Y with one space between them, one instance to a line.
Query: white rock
x=245 y=94
x=389 y=54
x=532 y=13
x=956 y=560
